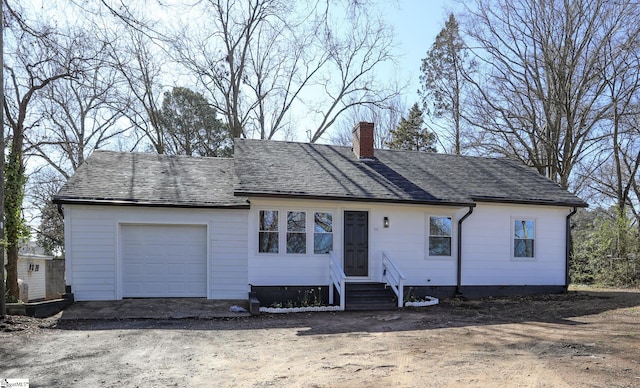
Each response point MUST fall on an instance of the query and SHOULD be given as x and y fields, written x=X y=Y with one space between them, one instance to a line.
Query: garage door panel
x=164 y=261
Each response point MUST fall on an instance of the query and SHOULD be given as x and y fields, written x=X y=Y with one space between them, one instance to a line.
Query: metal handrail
x=338 y=278
x=393 y=277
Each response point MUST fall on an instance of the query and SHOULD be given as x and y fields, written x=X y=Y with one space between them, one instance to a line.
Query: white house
x=280 y=219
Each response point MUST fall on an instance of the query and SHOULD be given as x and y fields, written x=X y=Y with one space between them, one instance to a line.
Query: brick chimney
x=363 y=140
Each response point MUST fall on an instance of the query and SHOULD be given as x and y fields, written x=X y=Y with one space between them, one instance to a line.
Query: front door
x=356 y=243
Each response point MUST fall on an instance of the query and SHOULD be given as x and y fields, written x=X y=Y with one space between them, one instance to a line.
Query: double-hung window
x=268 y=234
x=296 y=232
x=322 y=232
x=439 y=236
x=523 y=238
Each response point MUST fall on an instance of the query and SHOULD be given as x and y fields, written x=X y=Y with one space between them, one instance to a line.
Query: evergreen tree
x=411 y=134
x=442 y=79
x=191 y=127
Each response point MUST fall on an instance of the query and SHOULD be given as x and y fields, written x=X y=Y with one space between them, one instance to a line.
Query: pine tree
x=191 y=126
x=411 y=134
x=442 y=79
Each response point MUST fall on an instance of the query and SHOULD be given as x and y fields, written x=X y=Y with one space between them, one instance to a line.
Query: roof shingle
x=302 y=170
x=154 y=180
x=271 y=168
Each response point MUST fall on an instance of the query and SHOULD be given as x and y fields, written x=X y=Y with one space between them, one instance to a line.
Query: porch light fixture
x=385 y=222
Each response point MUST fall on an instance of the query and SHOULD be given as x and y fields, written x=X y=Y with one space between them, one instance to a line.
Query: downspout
x=568 y=247
x=60 y=211
x=459 y=282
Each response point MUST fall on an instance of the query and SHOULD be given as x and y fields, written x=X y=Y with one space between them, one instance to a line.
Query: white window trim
x=311 y=232
x=427 y=234
x=512 y=231
x=282 y=230
x=306 y=232
x=258 y=231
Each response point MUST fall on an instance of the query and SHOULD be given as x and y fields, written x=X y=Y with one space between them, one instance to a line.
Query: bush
x=605 y=249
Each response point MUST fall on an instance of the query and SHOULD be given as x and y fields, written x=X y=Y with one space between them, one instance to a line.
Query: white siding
x=404 y=241
x=228 y=272
x=35 y=279
x=93 y=247
x=487 y=245
x=487 y=253
x=95 y=271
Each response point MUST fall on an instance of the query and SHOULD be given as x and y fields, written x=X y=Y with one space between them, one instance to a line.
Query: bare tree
x=81 y=114
x=39 y=55
x=355 y=53
x=540 y=95
x=139 y=63
x=48 y=225
x=615 y=176
x=260 y=59
x=220 y=54
x=385 y=119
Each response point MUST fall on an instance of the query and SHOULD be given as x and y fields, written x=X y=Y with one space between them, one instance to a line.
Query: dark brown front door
x=356 y=243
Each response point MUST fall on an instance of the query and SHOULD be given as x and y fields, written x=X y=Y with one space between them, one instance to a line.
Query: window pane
x=439 y=246
x=322 y=242
x=269 y=220
x=522 y=248
x=524 y=229
x=268 y=242
x=440 y=226
x=323 y=222
x=296 y=221
x=296 y=243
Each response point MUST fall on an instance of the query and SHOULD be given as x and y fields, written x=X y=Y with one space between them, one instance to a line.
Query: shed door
x=164 y=261
x=356 y=243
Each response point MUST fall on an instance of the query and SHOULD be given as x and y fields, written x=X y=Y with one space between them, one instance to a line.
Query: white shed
x=32 y=270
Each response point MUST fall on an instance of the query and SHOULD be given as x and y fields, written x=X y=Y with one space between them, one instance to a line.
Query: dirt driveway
x=586 y=338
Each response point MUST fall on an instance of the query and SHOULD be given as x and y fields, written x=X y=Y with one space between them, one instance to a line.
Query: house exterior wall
x=94 y=268
x=487 y=257
x=487 y=252
x=404 y=241
x=93 y=247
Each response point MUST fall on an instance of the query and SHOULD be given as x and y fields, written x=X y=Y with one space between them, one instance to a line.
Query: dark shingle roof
x=154 y=180
x=284 y=169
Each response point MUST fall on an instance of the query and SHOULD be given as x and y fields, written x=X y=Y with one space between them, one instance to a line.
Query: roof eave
x=352 y=199
x=135 y=202
x=530 y=202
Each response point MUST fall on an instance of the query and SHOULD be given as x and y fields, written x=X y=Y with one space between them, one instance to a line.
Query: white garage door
x=164 y=261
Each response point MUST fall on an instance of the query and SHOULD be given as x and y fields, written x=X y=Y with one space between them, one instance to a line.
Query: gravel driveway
x=584 y=338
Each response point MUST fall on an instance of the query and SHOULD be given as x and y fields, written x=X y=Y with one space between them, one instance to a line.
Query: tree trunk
x=14 y=194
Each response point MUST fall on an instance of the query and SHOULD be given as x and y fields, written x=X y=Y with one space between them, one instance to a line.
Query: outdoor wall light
x=385 y=222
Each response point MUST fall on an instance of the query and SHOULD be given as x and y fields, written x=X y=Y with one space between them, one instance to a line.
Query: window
x=524 y=236
x=268 y=232
x=296 y=232
x=439 y=236
x=323 y=232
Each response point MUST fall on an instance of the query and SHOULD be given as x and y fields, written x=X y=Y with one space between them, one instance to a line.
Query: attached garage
x=164 y=261
x=154 y=226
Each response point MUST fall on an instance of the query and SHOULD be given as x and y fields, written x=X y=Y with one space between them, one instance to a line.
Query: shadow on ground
x=565 y=309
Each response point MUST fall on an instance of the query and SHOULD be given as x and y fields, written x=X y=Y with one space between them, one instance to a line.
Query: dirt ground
x=585 y=338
